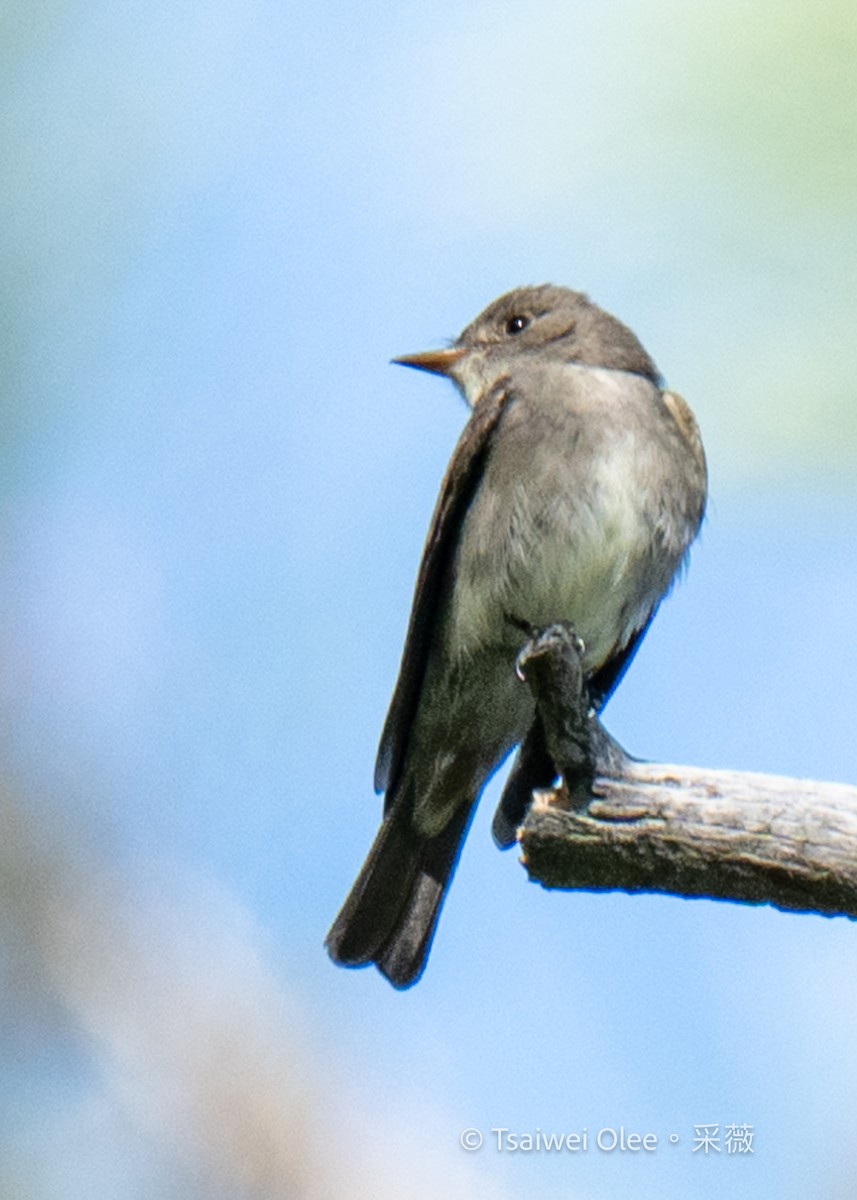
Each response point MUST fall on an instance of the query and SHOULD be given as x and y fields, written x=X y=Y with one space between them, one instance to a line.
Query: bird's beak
x=439 y=362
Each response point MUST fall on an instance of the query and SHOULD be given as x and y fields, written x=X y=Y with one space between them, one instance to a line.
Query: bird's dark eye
x=517 y=324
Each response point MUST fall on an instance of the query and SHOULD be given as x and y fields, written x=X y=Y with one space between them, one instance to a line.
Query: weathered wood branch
x=685 y=831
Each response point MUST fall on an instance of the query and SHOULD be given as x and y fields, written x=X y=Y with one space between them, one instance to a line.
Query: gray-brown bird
x=573 y=495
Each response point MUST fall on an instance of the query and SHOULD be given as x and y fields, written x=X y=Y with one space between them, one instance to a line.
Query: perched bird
x=573 y=495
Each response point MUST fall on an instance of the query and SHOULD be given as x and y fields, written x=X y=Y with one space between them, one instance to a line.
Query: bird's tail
x=391 y=912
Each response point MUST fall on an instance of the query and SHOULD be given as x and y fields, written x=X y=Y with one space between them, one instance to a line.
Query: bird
x=573 y=495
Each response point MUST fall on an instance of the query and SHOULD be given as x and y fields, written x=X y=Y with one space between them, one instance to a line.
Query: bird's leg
x=551 y=663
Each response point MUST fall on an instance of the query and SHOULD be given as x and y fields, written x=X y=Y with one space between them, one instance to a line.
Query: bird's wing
x=681 y=413
x=456 y=492
x=604 y=682
x=606 y=679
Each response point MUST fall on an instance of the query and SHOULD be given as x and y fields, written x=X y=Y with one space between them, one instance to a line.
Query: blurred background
x=218 y=222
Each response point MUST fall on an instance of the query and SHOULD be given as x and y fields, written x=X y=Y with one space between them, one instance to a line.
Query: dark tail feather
x=405 y=952
x=373 y=905
x=391 y=912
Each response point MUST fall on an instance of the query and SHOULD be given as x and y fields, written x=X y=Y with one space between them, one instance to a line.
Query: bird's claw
x=543 y=641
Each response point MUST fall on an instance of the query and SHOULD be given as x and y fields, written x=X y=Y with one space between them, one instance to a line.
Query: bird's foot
x=560 y=638
x=551 y=664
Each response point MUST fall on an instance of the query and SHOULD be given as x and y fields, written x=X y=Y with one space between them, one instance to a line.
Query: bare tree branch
x=686 y=831
x=761 y=839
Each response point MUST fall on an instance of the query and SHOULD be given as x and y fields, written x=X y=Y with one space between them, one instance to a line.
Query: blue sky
x=219 y=224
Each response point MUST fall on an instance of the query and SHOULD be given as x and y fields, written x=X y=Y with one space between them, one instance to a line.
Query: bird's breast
x=578 y=517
